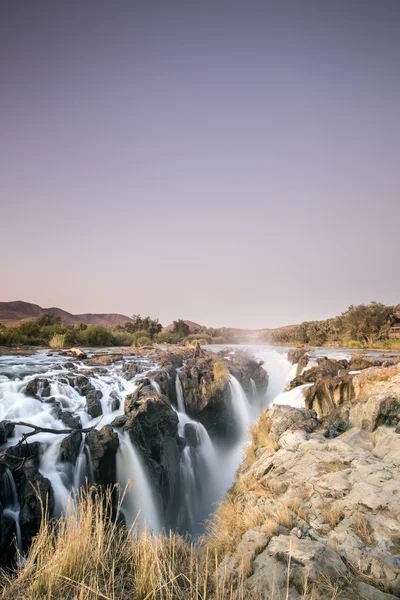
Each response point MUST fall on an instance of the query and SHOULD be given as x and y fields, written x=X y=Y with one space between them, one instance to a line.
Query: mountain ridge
x=19 y=311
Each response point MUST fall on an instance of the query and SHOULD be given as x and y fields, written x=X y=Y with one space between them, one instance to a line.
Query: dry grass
x=87 y=556
x=332 y=515
x=57 y=341
x=260 y=433
x=362 y=528
x=297 y=506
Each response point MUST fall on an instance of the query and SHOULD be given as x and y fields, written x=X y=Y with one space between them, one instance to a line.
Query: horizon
x=233 y=162
x=169 y=322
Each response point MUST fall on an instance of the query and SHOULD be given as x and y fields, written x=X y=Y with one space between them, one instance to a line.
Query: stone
x=103 y=446
x=93 y=404
x=6 y=429
x=70 y=447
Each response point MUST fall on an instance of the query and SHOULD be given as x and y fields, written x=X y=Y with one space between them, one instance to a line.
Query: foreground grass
x=87 y=555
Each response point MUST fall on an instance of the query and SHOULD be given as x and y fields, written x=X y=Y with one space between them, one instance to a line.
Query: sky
x=236 y=163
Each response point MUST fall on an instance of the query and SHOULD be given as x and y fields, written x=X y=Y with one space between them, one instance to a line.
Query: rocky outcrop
x=153 y=427
x=103 y=446
x=299 y=357
x=367 y=399
x=315 y=514
x=33 y=490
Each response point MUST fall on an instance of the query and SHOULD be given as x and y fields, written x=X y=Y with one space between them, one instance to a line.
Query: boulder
x=70 y=447
x=93 y=403
x=153 y=426
x=103 y=446
x=70 y=420
x=6 y=429
x=299 y=357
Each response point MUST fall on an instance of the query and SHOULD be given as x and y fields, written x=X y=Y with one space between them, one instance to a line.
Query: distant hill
x=15 y=313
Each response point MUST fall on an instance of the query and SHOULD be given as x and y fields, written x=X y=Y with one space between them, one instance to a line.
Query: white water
x=11 y=505
x=139 y=506
x=207 y=466
x=179 y=395
x=241 y=409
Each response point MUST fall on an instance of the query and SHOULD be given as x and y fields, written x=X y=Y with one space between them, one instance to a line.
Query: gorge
x=164 y=431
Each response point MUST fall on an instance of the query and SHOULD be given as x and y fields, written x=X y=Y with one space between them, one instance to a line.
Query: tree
x=48 y=318
x=181 y=328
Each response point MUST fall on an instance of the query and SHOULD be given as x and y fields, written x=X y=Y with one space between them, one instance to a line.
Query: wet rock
x=115 y=401
x=37 y=388
x=131 y=369
x=70 y=447
x=93 y=403
x=119 y=421
x=7 y=535
x=70 y=420
x=191 y=436
x=6 y=429
x=165 y=379
x=153 y=426
x=300 y=357
x=103 y=446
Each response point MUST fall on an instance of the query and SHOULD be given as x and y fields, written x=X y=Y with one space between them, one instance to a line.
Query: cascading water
x=241 y=410
x=207 y=467
x=199 y=471
x=179 y=395
x=11 y=504
x=138 y=505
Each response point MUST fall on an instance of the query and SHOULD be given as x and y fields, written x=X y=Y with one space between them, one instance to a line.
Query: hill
x=15 y=313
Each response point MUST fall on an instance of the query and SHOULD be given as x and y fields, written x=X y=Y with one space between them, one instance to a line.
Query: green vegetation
x=48 y=330
x=358 y=327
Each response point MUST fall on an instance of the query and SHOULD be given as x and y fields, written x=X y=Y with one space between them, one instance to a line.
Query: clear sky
x=230 y=162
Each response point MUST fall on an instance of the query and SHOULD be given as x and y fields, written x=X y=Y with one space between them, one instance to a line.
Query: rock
x=7 y=536
x=74 y=352
x=358 y=362
x=103 y=446
x=93 y=404
x=379 y=409
x=116 y=401
x=153 y=426
x=104 y=359
x=331 y=504
x=70 y=420
x=165 y=379
x=119 y=421
x=70 y=447
x=34 y=492
x=37 y=388
x=300 y=357
x=6 y=429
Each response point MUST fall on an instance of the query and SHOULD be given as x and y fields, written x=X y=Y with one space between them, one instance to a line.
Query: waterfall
x=138 y=505
x=199 y=468
x=294 y=397
x=240 y=407
x=11 y=504
x=81 y=466
x=179 y=395
x=57 y=473
x=280 y=372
